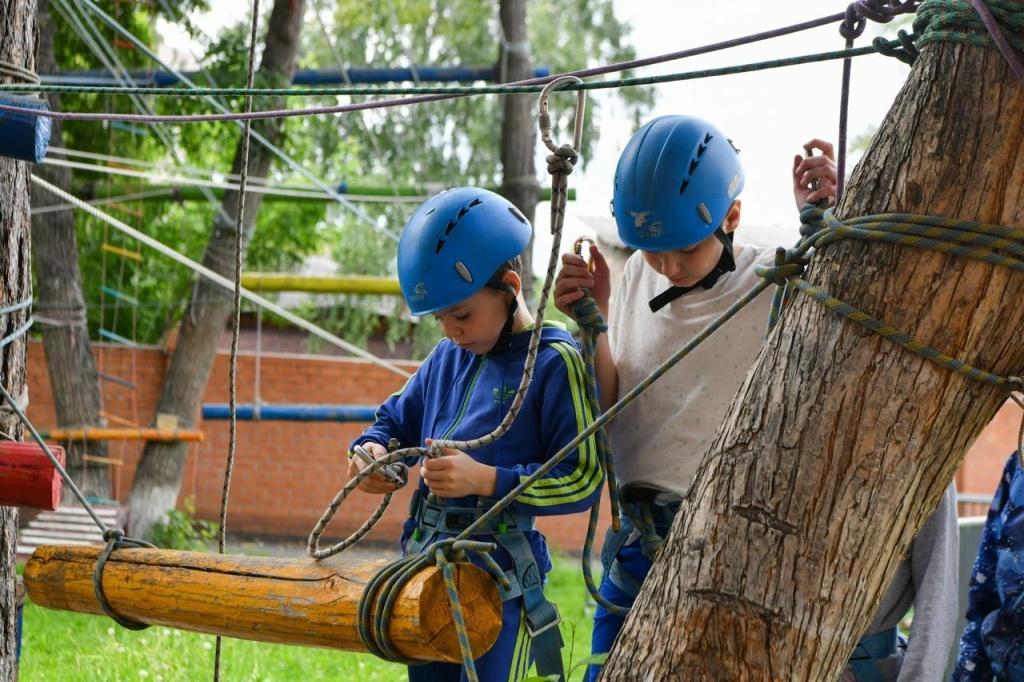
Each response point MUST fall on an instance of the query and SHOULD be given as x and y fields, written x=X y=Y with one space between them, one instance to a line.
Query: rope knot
x=588 y=316
x=788 y=263
x=903 y=47
x=563 y=160
x=812 y=220
x=114 y=535
x=882 y=11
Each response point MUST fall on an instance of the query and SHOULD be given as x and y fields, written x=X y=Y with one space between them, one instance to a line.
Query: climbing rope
x=378 y=599
x=417 y=95
x=560 y=165
x=114 y=537
x=236 y=316
x=592 y=324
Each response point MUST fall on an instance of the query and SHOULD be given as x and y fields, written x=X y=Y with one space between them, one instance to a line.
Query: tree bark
x=158 y=477
x=839 y=443
x=17 y=46
x=69 y=359
x=518 y=126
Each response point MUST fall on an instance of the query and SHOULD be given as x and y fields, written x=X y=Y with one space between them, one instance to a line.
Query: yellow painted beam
x=124 y=434
x=124 y=253
x=321 y=284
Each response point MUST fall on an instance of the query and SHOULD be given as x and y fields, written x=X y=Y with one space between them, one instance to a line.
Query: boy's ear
x=732 y=218
x=513 y=280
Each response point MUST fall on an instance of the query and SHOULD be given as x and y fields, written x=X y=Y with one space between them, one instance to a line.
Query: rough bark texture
x=158 y=478
x=17 y=45
x=69 y=359
x=518 y=126
x=290 y=601
x=839 y=443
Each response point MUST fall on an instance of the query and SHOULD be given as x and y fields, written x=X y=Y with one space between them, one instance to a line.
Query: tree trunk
x=69 y=359
x=839 y=443
x=518 y=126
x=17 y=46
x=158 y=478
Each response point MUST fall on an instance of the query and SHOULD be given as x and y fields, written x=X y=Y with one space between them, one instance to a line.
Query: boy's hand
x=576 y=275
x=456 y=474
x=820 y=168
x=376 y=483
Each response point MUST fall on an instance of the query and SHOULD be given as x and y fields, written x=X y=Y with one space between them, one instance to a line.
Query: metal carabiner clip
x=545 y=117
x=577 y=248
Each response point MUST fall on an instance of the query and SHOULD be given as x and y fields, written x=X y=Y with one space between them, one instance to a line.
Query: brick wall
x=285 y=472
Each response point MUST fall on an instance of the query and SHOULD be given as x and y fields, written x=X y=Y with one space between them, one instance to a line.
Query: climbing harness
x=542 y=616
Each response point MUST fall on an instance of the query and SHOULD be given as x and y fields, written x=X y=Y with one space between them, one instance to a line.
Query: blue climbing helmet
x=452 y=245
x=676 y=179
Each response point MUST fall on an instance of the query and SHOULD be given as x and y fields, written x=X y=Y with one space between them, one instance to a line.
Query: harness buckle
x=547 y=623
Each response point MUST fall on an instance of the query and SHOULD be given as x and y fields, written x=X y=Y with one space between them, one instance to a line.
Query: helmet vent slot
x=693 y=165
x=440 y=245
x=448 y=230
x=683 y=185
x=519 y=216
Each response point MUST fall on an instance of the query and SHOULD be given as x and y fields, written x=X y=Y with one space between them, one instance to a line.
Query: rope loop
x=903 y=47
x=881 y=11
x=115 y=539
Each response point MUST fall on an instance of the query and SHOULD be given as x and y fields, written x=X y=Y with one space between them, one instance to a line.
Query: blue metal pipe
x=293 y=413
x=312 y=77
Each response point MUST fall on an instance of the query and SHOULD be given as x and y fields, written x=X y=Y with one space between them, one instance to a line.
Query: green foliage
x=180 y=529
x=439 y=144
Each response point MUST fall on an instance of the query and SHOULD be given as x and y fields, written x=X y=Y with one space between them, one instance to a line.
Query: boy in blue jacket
x=992 y=644
x=458 y=259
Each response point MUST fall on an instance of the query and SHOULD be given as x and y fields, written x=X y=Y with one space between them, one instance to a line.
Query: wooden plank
x=292 y=601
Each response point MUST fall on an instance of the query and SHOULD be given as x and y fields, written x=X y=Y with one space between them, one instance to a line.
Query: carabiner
x=577 y=248
x=544 y=118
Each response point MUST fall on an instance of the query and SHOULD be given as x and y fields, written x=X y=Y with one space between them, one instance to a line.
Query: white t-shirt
x=659 y=439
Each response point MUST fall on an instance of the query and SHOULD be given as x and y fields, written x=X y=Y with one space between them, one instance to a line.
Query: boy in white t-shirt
x=675 y=202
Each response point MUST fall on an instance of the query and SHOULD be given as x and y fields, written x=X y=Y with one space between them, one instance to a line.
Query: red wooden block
x=27 y=477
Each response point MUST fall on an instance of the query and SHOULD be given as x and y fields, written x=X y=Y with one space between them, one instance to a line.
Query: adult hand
x=376 y=483
x=456 y=474
x=814 y=177
x=575 y=276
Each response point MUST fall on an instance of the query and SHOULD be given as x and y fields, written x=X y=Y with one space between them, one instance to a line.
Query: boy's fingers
x=571 y=283
x=823 y=146
x=573 y=259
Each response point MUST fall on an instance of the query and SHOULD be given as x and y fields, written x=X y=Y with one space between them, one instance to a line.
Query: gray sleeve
x=934 y=557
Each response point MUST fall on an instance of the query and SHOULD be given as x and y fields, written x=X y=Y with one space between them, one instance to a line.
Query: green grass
x=72 y=647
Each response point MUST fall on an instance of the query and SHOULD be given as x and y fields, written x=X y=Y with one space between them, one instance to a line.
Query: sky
x=768 y=114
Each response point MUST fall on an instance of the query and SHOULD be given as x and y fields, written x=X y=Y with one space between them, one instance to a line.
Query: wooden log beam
x=288 y=601
x=103 y=433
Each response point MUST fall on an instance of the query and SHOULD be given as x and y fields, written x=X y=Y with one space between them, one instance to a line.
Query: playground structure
x=466 y=649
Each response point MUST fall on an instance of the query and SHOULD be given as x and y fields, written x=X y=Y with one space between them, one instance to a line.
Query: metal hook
x=577 y=248
x=545 y=117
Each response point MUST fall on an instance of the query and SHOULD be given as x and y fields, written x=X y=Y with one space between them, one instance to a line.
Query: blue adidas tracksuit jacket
x=461 y=396
x=992 y=644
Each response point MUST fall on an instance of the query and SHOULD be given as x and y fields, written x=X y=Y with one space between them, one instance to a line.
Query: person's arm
x=973 y=664
x=934 y=567
x=573 y=278
x=575 y=483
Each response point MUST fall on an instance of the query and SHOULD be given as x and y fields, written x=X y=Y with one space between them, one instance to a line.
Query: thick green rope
x=592 y=324
x=954 y=21
x=993 y=244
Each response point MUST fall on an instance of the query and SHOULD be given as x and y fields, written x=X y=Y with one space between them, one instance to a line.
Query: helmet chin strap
x=505 y=338
x=726 y=263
